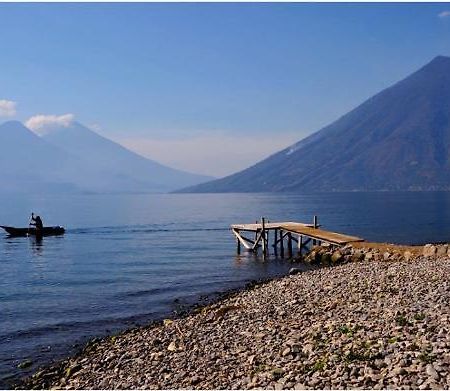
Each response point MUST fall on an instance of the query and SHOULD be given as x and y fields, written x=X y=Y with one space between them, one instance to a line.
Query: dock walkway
x=300 y=233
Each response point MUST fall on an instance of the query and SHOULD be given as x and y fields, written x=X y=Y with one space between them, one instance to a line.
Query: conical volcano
x=397 y=140
x=120 y=169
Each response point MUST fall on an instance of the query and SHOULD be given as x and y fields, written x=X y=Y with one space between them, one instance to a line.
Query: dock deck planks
x=258 y=226
x=319 y=234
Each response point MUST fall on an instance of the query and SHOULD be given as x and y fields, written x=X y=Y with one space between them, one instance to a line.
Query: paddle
x=30 y=223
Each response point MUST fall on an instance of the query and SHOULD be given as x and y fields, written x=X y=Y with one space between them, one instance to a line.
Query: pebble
x=172 y=347
x=432 y=372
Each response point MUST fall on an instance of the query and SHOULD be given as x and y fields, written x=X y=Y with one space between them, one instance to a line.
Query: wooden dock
x=284 y=234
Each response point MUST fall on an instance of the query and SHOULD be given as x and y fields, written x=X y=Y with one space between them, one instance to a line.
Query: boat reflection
x=37 y=244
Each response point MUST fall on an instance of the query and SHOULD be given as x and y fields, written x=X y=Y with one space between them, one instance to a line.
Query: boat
x=31 y=231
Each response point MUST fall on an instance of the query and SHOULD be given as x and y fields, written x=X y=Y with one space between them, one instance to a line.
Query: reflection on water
x=36 y=244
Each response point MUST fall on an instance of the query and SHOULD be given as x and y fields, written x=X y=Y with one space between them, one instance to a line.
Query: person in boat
x=37 y=222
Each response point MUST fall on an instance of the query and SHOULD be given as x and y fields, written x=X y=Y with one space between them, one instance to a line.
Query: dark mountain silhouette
x=77 y=159
x=396 y=140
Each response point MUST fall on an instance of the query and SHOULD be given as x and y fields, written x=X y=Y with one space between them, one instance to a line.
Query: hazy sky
x=210 y=88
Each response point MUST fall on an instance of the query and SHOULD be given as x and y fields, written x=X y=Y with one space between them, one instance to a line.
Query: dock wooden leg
x=256 y=238
x=263 y=237
x=289 y=245
x=275 y=244
x=314 y=242
x=281 y=243
x=300 y=244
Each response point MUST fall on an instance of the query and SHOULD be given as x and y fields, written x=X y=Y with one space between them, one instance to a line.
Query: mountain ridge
x=105 y=154
x=397 y=139
x=76 y=159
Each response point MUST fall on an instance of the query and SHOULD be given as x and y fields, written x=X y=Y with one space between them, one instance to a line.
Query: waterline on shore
x=366 y=324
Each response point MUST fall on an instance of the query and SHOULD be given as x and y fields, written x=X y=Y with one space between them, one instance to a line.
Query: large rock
x=442 y=250
x=429 y=250
x=357 y=256
x=336 y=257
x=325 y=258
x=314 y=256
x=407 y=255
x=346 y=250
x=294 y=270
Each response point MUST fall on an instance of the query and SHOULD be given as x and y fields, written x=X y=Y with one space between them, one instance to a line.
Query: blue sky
x=210 y=88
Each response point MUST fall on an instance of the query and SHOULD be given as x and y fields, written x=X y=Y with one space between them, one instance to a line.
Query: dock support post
x=281 y=243
x=275 y=244
x=300 y=244
x=256 y=238
x=263 y=236
x=315 y=226
x=289 y=245
x=238 y=244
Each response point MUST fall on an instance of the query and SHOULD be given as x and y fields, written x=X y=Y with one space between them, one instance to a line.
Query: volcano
x=396 y=140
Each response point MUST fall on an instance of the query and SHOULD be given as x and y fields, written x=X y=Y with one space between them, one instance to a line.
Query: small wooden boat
x=31 y=231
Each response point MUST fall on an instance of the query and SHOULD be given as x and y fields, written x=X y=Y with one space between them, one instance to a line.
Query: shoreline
x=204 y=301
x=286 y=332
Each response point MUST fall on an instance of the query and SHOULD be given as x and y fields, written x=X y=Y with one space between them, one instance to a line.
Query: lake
x=127 y=260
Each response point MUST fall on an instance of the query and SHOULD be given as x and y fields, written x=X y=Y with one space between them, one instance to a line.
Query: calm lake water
x=130 y=259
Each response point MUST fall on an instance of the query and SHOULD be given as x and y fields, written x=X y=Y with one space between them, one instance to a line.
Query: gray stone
x=279 y=386
x=357 y=256
x=25 y=364
x=368 y=256
x=432 y=372
x=295 y=348
x=194 y=380
x=172 y=347
x=399 y=371
x=294 y=270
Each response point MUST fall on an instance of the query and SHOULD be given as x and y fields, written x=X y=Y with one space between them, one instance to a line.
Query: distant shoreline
x=365 y=324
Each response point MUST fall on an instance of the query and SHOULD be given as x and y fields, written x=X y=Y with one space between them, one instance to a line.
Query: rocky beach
x=376 y=316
